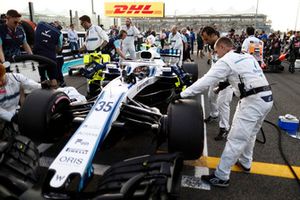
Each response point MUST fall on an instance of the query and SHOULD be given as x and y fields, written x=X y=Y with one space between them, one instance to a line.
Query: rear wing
x=169 y=53
x=170 y=56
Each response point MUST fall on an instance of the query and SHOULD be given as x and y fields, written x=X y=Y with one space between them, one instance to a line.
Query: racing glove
x=176 y=97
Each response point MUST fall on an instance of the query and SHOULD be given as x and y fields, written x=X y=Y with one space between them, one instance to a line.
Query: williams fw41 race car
x=57 y=150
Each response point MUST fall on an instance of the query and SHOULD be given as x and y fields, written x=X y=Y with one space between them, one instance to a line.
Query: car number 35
x=104 y=106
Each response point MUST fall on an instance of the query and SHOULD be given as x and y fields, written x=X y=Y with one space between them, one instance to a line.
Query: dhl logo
x=135 y=9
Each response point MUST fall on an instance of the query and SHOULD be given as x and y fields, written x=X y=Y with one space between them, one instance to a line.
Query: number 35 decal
x=105 y=106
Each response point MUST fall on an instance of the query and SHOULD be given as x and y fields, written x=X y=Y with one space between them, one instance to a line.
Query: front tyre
x=185 y=128
x=45 y=115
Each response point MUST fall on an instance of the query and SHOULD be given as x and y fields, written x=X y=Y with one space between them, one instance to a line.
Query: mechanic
x=12 y=36
x=150 y=40
x=294 y=49
x=253 y=46
x=249 y=83
x=128 y=43
x=11 y=87
x=47 y=42
x=220 y=94
x=96 y=38
x=175 y=41
x=114 y=46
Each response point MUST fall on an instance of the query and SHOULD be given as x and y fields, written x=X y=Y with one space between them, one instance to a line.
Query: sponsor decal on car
x=77 y=151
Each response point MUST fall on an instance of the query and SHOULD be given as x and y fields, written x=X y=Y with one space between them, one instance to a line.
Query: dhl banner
x=134 y=9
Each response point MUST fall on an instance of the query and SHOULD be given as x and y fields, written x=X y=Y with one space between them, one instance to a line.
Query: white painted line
x=199 y=171
x=194 y=182
x=205 y=151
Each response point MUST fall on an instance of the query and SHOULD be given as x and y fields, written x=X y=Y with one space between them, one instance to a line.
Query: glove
x=175 y=97
x=223 y=85
x=15 y=119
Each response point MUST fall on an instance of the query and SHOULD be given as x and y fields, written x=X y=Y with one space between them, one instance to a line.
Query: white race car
x=129 y=100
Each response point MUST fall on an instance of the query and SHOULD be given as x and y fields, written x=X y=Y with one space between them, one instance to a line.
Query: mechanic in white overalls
x=10 y=93
x=150 y=40
x=250 y=84
x=128 y=43
x=253 y=46
x=96 y=37
x=175 y=41
x=219 y=96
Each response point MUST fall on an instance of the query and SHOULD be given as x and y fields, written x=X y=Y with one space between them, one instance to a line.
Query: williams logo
x=78 y=151
x=81 y=142
x=45 y=33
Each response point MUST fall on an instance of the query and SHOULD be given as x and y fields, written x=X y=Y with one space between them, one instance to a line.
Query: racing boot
x=222 y=134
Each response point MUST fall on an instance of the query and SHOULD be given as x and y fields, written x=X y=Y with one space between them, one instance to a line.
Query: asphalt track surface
x=286 y=91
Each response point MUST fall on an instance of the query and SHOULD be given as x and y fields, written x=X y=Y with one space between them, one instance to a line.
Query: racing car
x=128 y=101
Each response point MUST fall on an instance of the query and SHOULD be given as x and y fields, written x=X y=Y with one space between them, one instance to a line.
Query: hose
x=37 y=58
x=263 y=141
x=281 y=150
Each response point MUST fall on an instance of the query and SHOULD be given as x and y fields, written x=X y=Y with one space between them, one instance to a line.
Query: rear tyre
x=191 y=68
x=185 y=128
x=45 y=115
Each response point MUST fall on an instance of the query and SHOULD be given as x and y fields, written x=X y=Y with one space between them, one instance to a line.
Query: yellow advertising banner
x=134 y=9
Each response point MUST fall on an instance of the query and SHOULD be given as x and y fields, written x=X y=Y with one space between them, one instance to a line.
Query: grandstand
x=223 y=22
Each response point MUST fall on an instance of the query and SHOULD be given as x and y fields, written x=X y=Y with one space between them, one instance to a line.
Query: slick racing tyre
x=19 y=166
x=45 y=115
x=185 y=128
x=192 y=69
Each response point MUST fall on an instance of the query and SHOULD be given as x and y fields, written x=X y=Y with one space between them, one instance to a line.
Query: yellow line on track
x=261 y=168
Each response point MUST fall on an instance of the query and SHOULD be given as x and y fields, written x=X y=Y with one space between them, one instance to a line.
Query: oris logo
x=71 y=160
x=133 y=9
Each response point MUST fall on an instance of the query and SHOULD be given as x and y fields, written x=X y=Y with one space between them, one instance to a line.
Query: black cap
x=13 y=13
x=232 y=30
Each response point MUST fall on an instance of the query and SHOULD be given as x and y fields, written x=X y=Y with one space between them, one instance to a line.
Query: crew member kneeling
x=10 y=87
x=249 y=83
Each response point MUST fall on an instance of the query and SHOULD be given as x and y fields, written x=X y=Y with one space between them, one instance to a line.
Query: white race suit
x=250 y=111
x=219 y=104
x=128 y=42
x=175 y=42
x=10 y=94
x=223 y=104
